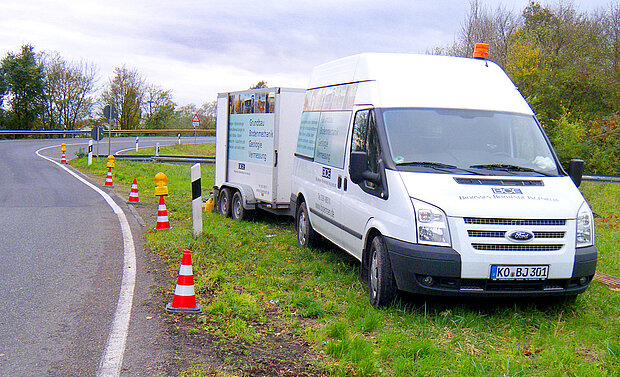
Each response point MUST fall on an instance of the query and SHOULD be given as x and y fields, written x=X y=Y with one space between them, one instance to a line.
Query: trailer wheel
x=224 y=202
x=381 y=284
x=238 y=212
x=306 y=236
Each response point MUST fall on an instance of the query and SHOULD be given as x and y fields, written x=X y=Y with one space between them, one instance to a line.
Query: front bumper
x=411 y=263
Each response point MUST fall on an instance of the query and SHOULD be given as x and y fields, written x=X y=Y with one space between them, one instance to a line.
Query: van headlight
x=585 y=226
x=431 y=224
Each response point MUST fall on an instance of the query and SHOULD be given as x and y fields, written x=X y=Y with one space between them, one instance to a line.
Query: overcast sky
x=199 y=48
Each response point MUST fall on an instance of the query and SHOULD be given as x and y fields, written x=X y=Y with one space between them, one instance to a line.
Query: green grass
x=253 y=280
x=202 y=150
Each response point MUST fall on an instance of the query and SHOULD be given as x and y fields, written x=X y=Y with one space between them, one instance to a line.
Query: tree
x=259 y=85
x=483 y=25
x=125 y=93
x=67 y=90
x=158 y=107
x=208 y=114
x=23 y=81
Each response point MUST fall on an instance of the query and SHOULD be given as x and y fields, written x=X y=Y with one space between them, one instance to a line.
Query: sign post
x=195 y=123
x=109 y=112
x=97 y=134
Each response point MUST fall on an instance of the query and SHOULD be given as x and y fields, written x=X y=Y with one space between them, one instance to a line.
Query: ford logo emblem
x=519 y=235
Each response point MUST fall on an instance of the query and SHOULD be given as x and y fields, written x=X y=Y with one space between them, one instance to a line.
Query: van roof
x=428 y=81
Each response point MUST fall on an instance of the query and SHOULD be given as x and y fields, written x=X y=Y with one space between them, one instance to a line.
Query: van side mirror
x=358 y=169
x=575 y=170
x=357 y=165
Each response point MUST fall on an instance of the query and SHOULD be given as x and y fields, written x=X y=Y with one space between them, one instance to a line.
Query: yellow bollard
x=63 y=148
x=161 y=190
x=160 y=181
x=209 y=205
x=108 y=178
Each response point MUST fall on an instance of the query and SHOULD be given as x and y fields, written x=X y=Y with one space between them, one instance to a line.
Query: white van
x=434 y=172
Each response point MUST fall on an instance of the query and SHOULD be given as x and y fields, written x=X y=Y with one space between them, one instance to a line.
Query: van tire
x=306 y=235
x=381 y=283
x=224 y=202
x=238 y=213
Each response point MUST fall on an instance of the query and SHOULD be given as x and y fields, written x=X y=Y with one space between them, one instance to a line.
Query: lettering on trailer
x=250 y=138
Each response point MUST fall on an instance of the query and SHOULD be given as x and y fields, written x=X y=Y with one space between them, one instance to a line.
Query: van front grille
x=497 y=221
x=501 y=234
x=515 y=247
x=496 y=234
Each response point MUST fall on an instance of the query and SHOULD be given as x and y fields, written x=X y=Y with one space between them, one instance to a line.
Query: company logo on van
x=327 y=173
x=506 y=191
x=519 y=235
x=241 y=166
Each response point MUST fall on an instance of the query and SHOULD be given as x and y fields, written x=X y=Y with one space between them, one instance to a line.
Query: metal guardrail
x=601 y=178
x=181 y=159
x=184 y=131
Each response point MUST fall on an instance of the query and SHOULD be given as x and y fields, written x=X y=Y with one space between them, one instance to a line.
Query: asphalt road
x=61 y=262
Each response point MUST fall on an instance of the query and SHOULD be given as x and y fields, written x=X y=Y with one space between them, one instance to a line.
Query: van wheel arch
x=382 y=288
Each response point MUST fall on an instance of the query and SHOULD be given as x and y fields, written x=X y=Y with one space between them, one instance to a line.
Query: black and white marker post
x=137 y=142
x=90 y=152
x=196 y=200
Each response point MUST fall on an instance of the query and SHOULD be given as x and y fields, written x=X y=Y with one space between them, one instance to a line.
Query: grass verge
x=259 y=291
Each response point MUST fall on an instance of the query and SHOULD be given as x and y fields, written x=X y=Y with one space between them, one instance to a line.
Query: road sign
x=109 y=112
x=195 y=121
x=96 y=133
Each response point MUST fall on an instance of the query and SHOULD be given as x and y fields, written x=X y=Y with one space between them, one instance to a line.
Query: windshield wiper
x=508 y=167
x=427 y=163
x=436 y=165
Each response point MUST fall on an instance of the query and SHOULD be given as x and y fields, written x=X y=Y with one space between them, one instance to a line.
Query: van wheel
x=238 y=212
x=224 y=202
x=306 y=236
x=381 y=284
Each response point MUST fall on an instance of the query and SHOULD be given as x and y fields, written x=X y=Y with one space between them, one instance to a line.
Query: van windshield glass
x=481 y=142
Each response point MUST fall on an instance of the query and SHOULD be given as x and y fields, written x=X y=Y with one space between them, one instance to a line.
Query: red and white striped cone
x=108 y=178
x=63 y=159
x=162 y=215
x=184 y=300
x=133 y=194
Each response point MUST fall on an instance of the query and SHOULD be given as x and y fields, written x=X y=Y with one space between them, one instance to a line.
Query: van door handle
x=339 y=182
x=345 y=183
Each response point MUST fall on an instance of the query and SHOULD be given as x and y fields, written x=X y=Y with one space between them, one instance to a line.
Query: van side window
x=366 y=139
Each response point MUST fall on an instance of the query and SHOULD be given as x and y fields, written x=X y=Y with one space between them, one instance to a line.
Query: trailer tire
x=306 y=235
x=381 y=283
x=238 y=213
x=224 y=202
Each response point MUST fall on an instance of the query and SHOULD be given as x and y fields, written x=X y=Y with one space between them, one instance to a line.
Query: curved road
x=61 y=265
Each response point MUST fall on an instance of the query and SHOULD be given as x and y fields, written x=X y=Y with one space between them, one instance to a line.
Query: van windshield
x=479 y=142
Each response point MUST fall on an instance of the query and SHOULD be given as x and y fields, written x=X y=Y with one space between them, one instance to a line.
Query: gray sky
x=199 y=48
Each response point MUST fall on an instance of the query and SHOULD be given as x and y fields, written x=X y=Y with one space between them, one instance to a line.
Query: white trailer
x=254 y=129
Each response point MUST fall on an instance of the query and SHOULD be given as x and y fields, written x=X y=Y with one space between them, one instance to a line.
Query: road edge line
x=112 y=359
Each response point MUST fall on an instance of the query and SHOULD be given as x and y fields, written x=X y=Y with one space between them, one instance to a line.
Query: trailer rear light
x=481 y=51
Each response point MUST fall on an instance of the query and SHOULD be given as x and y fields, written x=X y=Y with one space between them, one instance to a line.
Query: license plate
x=519 y=272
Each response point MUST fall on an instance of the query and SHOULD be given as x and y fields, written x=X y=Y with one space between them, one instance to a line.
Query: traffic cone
x=108 y=178
x=162 y=215
x=63 y=159
x=184 y=300
x=133 y=194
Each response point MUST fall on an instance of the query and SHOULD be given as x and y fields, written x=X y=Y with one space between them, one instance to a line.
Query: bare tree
x=126 y=93
x=67 y=90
